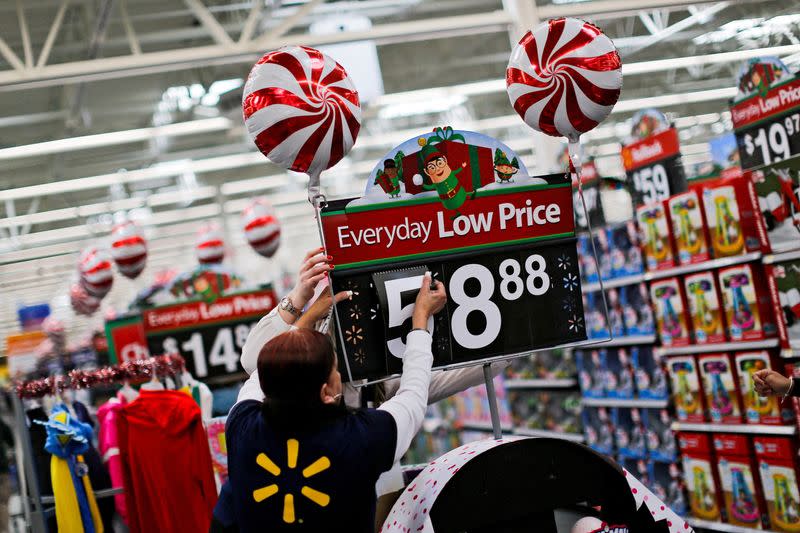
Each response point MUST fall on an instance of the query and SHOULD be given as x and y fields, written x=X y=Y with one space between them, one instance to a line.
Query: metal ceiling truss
x=24 y=75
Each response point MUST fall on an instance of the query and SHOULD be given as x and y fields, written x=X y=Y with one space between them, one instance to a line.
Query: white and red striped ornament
x=261 y=227
x=82 y=302
x=210 y=246
x=564 y=77
x=129 y=249
x=96 y=271
x=301 y=110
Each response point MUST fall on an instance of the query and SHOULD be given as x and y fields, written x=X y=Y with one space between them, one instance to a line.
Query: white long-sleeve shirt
x=406 y=396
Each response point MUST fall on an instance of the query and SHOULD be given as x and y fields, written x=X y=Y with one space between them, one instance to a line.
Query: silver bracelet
x=789 y=390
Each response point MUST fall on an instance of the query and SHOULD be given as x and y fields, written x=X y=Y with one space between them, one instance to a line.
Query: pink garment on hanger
x=108 y=440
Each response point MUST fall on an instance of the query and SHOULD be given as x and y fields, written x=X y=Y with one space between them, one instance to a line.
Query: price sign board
x=126 y=339
x=208 y=334
x=508 y=261
x=767 y=126
x=653 y=167
x=766 y=123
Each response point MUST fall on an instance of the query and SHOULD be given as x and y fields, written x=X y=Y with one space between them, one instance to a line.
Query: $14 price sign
x=509 y=266
x=209 y=335
x=653 y=167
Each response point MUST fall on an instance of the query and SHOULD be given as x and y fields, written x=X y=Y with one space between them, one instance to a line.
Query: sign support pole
x=492 y=396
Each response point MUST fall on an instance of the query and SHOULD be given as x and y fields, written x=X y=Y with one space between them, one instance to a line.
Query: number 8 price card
x=766 y=122
x=208 y=333
x=462 y=206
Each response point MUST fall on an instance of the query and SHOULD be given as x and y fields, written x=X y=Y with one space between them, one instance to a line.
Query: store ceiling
x=125 y=66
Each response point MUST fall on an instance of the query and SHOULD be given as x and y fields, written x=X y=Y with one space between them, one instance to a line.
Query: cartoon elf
x=444 y=180
x=504 y=168
x=390 y=169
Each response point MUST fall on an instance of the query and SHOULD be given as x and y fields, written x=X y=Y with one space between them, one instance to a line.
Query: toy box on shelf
x=629 y=432
x=689 y=228
x=705 y=305
x=618 y=374
x=686 y=391
x=666 y=482
x=472 y=406
x=547 y=364
x=637 y=313
x=701 y=476
x=778 y=470
x=759 y=409
x=626 y=255
x=784 y=284
x=671 y=312
x=598 y=429
x=734 y=223
x=655 y=236
x=660 y=438
x=650 y=376
x=741 y=487
x=616 y=319
x=591 y=372
x=549 y=410
x=719 y=386
x=748 y=308
x=594 y=311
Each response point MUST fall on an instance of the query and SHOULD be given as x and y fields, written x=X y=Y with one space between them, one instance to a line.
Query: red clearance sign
x=382 y=233
x=651 y=150
x=197 y=314
x=778 y=100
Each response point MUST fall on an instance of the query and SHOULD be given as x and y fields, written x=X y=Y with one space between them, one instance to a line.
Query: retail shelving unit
x=722 y=262
x=564 y=383
x=574 y=437
x=750 y=429
x=625 y=402
x=718 y=347
x=727 y=528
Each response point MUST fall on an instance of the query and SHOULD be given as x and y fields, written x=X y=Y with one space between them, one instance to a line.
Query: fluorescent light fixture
x=86 y=142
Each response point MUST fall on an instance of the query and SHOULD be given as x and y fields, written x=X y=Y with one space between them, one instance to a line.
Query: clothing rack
x=33 y=501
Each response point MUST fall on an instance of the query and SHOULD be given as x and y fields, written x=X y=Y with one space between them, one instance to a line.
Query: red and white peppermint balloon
x=210 y=246
x=128 y=249
x=96 y=271
x=82 y=302
x=301 y=109
x=261 y=227
x=564 y=77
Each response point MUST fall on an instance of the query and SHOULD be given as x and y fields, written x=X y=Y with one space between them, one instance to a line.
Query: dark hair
x=292 y=368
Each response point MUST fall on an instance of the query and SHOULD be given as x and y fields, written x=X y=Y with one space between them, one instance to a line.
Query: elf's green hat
x=428 y=153
x=500 y=158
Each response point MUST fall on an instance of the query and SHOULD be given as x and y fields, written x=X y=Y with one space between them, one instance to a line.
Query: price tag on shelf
x=654 y=168
x=208 y=334
x=509 y=266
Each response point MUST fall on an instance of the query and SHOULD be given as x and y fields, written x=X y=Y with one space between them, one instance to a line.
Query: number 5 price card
x=506 y=253
x=209 y=334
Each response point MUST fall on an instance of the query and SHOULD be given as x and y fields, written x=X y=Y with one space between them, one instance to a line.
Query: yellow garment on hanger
x=68 y=512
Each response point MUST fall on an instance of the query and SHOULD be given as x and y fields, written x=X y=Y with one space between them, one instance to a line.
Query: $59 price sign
x=209 y=335
x=502 y=300
x=654 y=168
x=774 y=140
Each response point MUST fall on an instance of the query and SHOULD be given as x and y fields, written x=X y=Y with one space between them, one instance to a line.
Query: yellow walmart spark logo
x=292 y=447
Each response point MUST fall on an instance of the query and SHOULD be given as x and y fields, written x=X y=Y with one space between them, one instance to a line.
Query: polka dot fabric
x=658 y=510
x=410 y=512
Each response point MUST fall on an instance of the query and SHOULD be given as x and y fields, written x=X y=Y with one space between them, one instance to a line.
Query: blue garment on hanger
x=67 y=438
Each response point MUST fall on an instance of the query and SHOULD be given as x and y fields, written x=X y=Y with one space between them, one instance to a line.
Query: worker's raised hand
x=315 y=267
x=767 y=382
x=430 y=300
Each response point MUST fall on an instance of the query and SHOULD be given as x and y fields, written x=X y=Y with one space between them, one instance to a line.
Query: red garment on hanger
x=169 y=480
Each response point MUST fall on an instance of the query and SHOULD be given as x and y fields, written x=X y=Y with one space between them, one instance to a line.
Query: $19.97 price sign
x=768 y=127
x=653 y=167
x=209 y=335
x=509 y=265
